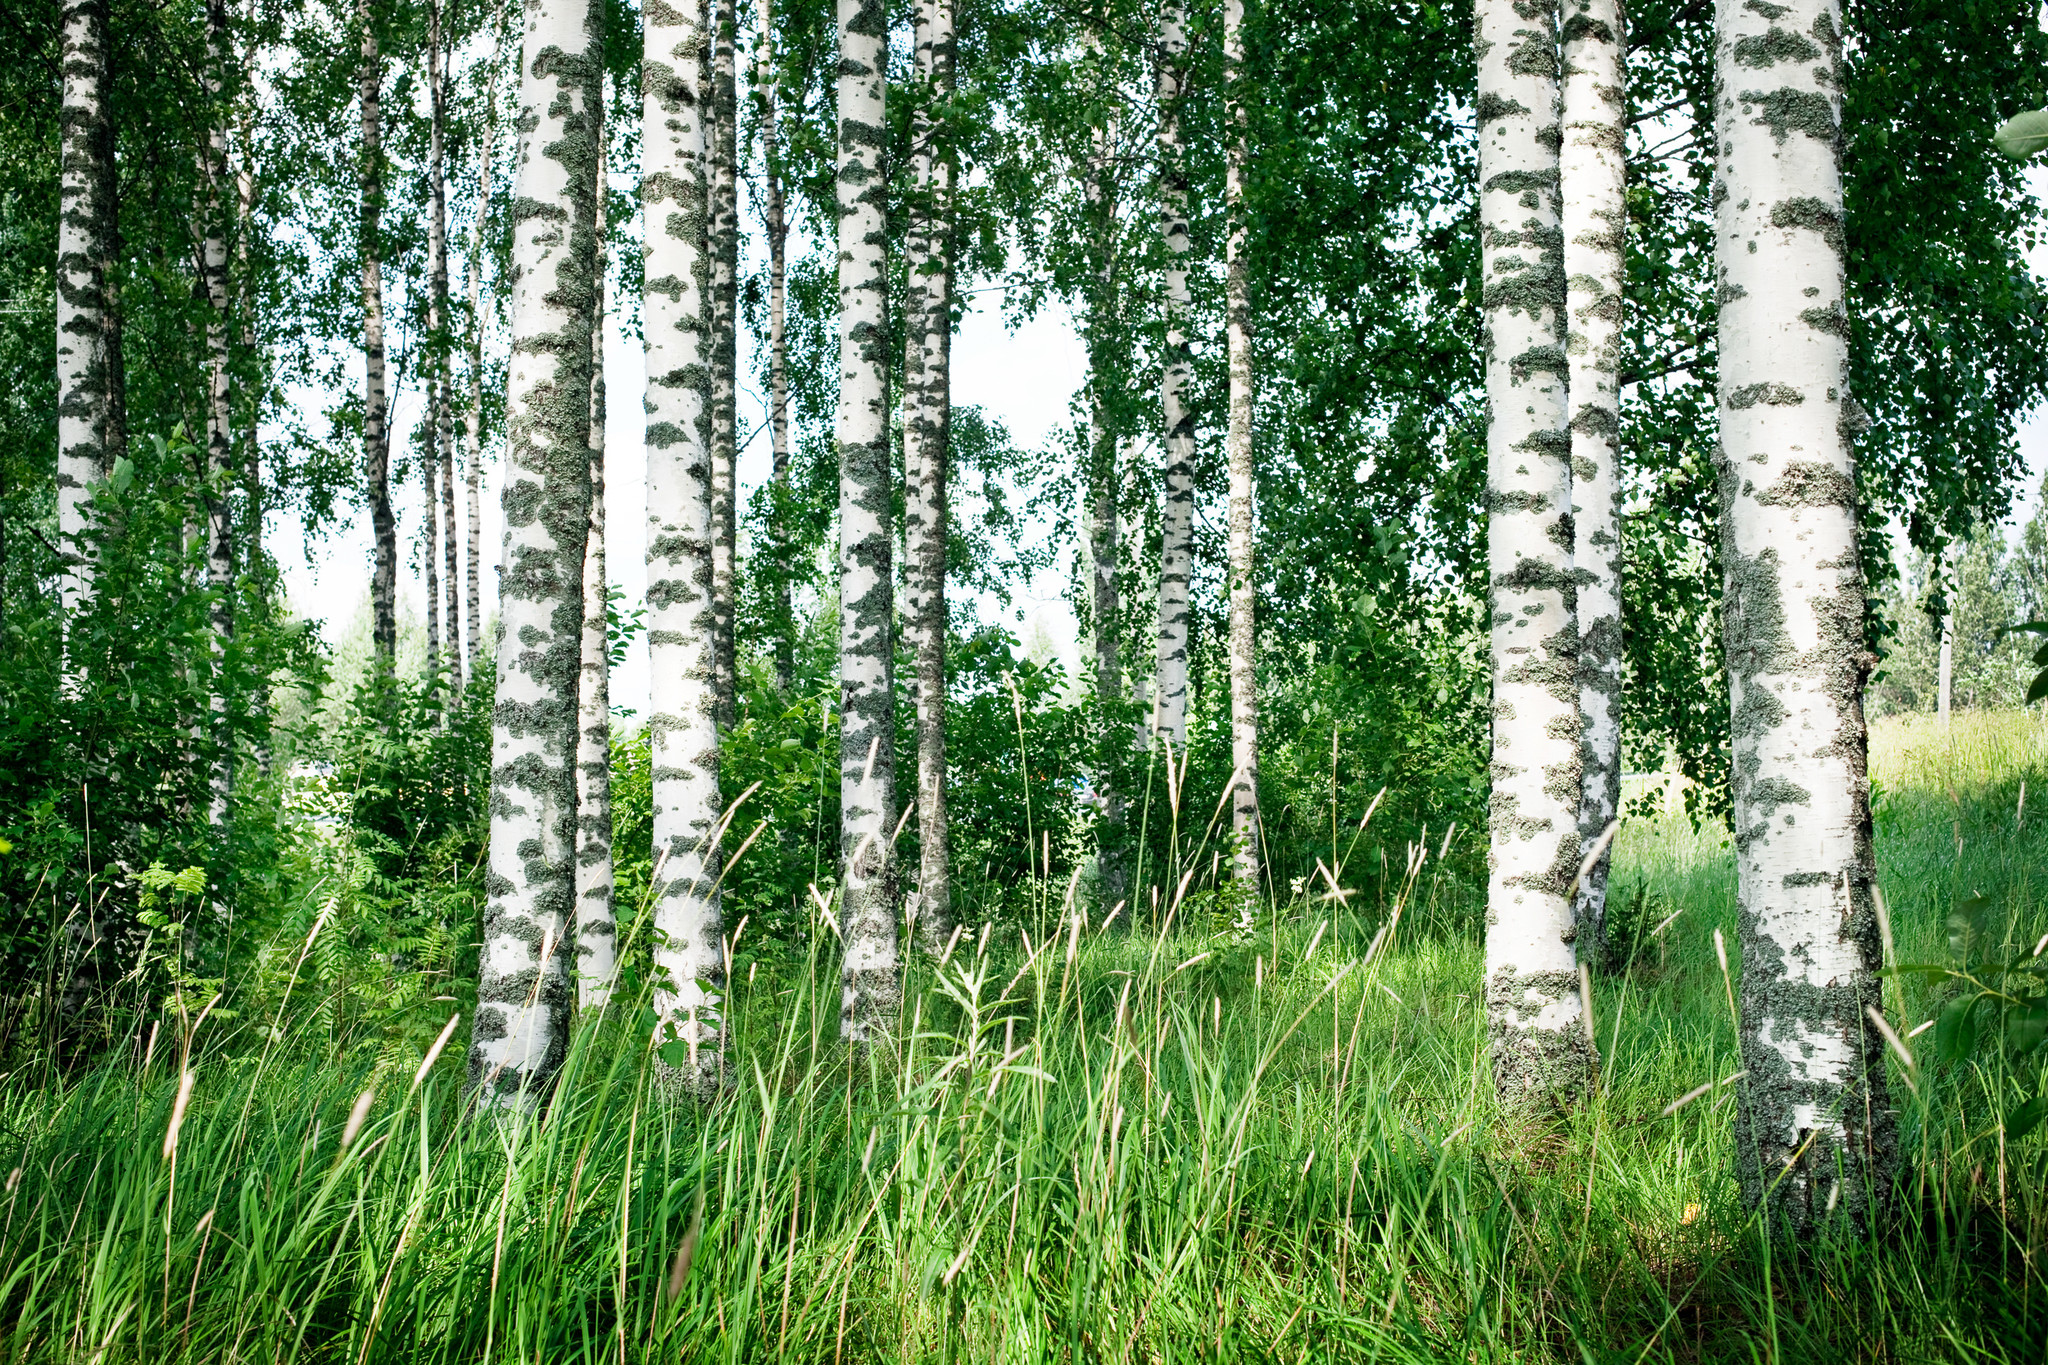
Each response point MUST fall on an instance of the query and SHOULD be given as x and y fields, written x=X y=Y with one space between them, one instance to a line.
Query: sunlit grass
x=1106 y=1147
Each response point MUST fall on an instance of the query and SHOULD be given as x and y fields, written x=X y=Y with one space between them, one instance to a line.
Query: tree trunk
x=376 y=433
x=1540 y=1046
x=1595 y=221
x=682 y=725
x=220 y=439
x=251 y=456
x=596 y=923
x=927 y=426
x=441 y=372
x=1244 y=662
x=1814 y=1131
x=84 y=231
x=1105 y=377
x=1177 y=517
x=871 y=989
x=473 y=445
x=1945 y=663
x=430 y=536
x=778 y=347
x=523 y=991
x=725 y=278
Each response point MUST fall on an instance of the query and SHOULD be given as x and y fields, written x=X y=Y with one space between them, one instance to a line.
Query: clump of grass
x=1202 y=1145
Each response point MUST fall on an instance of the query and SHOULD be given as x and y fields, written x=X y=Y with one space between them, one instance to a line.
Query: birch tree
x=84 y=241
x=1177 y=515
x=1595 y=220
x=522 y=992
x=870 y=988
x=596 y=921
x=220 y=449
x=473 y=413
x=777 y=230
x=440 y=380
x=1814 y=1133
x=928 y=403
x=1244 y=660
x=1538 y=1033
x=682 y=723
x=376 y=416
x=724 y=306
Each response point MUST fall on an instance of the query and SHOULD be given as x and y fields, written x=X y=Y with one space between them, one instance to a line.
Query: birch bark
x=1177 y=516
x=84 y=230
x=683 y=720
x=473 y=445
x=1244 y=662
x=376 y=430
x=778 y=346
x=870 y=988
x=1539 y=1039
x=1595 y=221
x=523 y=991
x=1814 y=1132
x=596 y=920
x=220 y=441
x=1104 y=548
x=441 y=379
x=928 y=393
x=725 y=280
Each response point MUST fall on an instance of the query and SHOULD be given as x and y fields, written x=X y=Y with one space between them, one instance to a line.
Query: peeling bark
x=683 y=721
x=523 y=998
x=1815 y=1138
x=871 y=988
x=1541 y=1051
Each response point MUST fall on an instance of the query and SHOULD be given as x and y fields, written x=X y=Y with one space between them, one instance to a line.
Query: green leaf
x=1955 y=1031
x=2026 y=1027
x=675 y=1052
x=124 y=474
x=2039 y=689
x=2026 y=1118
x=2023 y=135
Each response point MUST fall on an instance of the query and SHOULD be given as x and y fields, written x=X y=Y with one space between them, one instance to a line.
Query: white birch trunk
x=84 y=231
x=441 y=381
x=681 y=640
x=1103 y=544
x=596 y=920
x=778 y=346
x=523 y=990
x=1244 y=660
x=1814 y=1130
x=1177 y=516
x=1538 y=1031
x=928 y=393
x=725 y=275
x=473 y=445
x=1595 y=221
x=376 y=428
x=870 y=986
x=220 y=440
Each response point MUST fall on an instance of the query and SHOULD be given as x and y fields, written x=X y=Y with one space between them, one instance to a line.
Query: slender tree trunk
x=596 y=924
x=1945 y=664
x=1177 y=517
x=1539 y=1039
x=871 y=988
x=251 y=454
x=1595 y=221
x=473 y=444
x=1814 y=1134
x=523 y=993
x=927 y=429
x=778 y=347
x=1244 y=660
x=683 y=722
x=376 y=432
x=441 y=372
x=84 y=230
x=725 y=277
x=220 y=439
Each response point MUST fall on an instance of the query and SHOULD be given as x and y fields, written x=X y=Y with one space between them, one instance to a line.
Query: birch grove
x=682 y=723
x=1594 y=222
x=870 y=986
x=523 y=995
x=1815 y=1133
x=1538 y=1031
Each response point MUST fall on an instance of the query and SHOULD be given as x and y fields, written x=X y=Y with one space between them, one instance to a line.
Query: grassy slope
x=1279 y=1150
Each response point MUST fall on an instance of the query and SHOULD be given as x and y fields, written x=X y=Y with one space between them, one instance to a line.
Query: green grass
x=1191 y=1149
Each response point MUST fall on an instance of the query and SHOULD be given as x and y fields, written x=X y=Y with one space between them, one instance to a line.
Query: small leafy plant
x=2001 y=1006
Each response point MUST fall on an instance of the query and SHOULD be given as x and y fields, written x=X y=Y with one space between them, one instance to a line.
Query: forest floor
x=1197 y=1147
